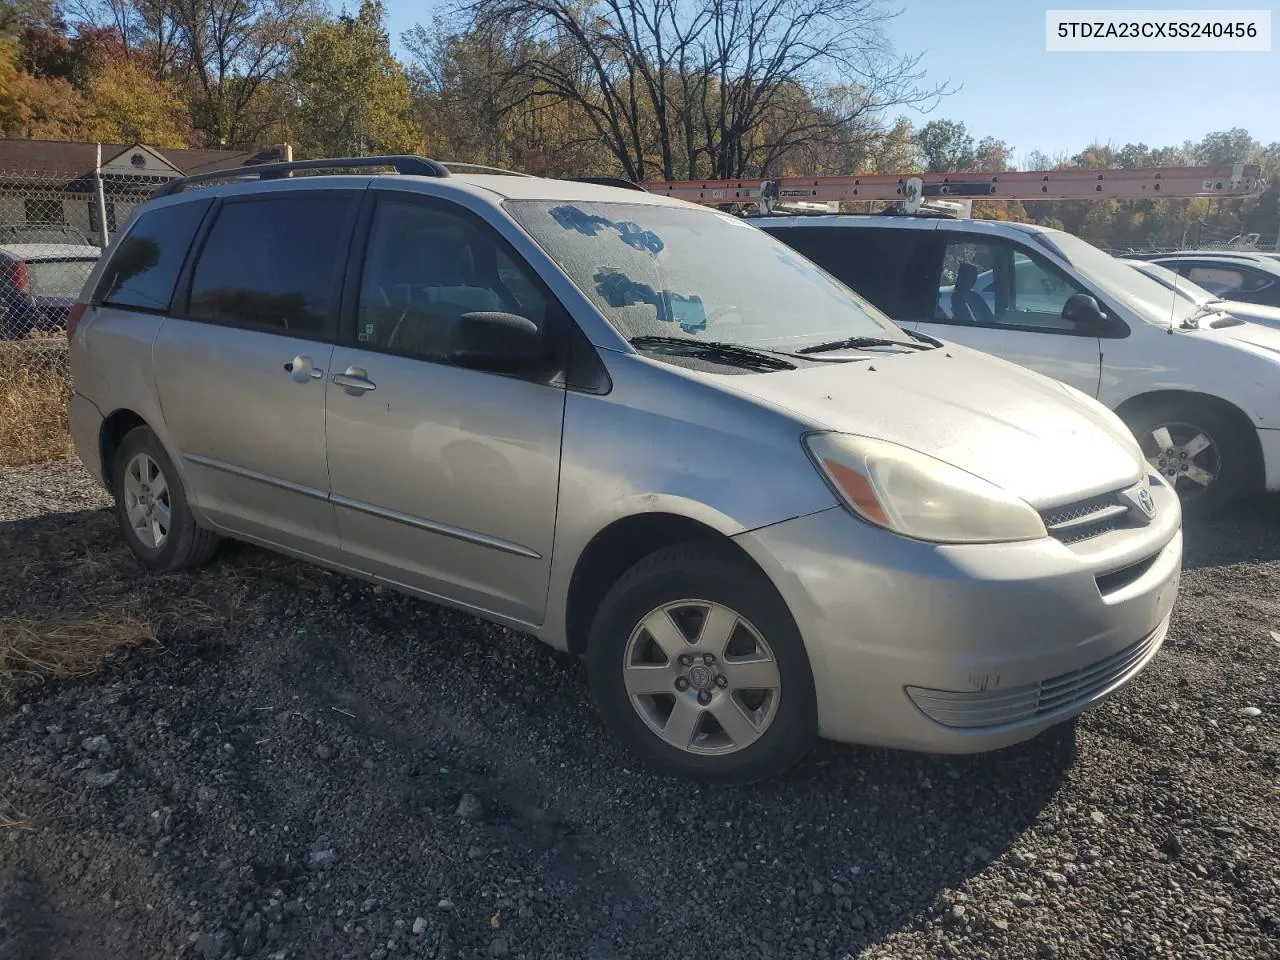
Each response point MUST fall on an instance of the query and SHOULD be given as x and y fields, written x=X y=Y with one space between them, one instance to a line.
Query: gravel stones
x=470 y=807
x=1142 y=821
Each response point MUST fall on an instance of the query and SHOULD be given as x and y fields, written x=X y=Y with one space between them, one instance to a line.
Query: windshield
x=671 y=271
x=58 y=278
x=1146 y=296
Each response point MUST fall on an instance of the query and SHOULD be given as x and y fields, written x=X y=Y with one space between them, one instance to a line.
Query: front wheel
x=1201 y=451
x=697 y=665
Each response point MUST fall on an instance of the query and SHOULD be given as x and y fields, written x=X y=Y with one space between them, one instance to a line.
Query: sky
x=1011 y=88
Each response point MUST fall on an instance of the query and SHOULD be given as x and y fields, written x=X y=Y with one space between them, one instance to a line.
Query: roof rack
x=612 y=182
x=464 y=167
x=405 y=164
x=1218 y=180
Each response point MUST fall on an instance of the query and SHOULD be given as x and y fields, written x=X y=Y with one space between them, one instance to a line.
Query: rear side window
x=877 y=263
x=144 y=266
x=274 y=264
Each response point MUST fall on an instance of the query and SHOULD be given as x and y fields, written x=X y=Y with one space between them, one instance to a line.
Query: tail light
x=17 y=275
x=73 y=319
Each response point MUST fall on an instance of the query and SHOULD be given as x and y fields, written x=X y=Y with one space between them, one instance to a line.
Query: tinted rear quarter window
x=143 y=268
x=274 y=263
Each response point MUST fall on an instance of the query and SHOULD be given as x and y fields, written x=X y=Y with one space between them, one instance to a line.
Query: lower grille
x=1060 y=694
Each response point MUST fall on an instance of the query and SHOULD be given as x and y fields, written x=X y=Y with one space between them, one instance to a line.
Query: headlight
x=917 y=496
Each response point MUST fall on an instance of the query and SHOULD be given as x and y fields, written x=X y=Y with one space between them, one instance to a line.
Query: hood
x=1252 y=337
x=1030 y=435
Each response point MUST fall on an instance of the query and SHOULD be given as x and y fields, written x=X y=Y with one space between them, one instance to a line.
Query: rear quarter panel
x=111 y=366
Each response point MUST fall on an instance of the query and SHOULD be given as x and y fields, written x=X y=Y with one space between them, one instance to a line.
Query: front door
x=444 y=479
x=1007 y=300
x=241 y=373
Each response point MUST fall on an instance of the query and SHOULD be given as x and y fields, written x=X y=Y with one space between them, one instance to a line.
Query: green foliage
x=355 y=94
x=945 y=146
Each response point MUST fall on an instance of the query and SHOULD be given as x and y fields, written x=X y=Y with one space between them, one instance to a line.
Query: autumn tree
x=355 y=94
x=477 y=111
x=123 y=103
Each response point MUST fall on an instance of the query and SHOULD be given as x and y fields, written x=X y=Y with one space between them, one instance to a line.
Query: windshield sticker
x=590 y=225
x=619 y=290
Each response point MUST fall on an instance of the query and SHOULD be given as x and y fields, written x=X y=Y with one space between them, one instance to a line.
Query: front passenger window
x=427 y=267
x=994 y=284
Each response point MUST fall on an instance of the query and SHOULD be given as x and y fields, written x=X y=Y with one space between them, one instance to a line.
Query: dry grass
x=67 y=645
x=15 y=820
x=34 y=391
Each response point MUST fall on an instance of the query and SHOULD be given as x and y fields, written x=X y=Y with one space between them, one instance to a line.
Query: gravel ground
x=306 y=766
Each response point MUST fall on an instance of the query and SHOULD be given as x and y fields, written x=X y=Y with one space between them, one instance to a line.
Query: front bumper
x=960 y=649
x=1270 y=442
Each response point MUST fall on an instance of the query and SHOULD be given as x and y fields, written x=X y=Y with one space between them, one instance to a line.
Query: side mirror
x=498 y=342
x=1083 y=310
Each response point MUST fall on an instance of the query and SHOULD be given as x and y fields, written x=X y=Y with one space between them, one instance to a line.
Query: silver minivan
x=643 y=431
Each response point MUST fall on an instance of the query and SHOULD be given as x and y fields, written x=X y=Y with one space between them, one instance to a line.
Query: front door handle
x=355 y=380
x=300 y=368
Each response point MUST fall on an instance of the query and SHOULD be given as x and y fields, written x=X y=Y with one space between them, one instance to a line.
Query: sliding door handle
x=355 y=380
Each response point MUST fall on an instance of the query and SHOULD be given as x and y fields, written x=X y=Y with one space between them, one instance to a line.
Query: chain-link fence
x=52 y=230
x=1207 y=239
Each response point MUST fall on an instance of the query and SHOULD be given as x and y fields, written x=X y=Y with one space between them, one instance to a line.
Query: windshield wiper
x=858 y=343
x=733 y=353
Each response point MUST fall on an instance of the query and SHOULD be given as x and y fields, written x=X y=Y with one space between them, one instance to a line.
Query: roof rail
x=464 y=167
x=611 y=182
x=405 y=164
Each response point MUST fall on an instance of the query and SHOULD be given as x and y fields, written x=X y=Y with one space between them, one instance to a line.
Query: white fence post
x=101 y=194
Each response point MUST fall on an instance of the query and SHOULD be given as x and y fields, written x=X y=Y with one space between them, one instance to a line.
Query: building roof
x=71 y=160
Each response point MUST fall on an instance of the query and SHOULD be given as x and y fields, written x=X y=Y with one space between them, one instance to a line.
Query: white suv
x=1200 y=389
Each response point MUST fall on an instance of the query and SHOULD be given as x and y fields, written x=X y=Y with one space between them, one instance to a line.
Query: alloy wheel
x=146 y=501
x=1185 y=455
x=701 y=677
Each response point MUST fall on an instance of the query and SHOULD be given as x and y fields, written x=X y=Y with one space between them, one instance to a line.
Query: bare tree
x=233 y=50
x=667 y=84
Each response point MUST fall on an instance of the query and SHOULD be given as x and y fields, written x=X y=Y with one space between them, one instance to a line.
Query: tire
x=143 y=474
x=1230 y=458
x=682 y=590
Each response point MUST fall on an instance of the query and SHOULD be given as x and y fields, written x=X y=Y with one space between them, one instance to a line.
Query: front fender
x=664 y=443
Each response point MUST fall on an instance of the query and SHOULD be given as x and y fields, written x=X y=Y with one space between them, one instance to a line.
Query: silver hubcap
x=146 y=500
x=702 y=677
x=1184 y=455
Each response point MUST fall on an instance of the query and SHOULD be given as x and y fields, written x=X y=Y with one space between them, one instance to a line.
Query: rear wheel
x=151 y=506
x=697 y=665
x=1200 y=450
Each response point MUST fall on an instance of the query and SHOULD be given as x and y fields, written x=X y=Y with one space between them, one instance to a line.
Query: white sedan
x=1204 y=300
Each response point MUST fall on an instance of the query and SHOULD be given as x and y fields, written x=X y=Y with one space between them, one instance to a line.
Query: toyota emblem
x=1146 y=504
